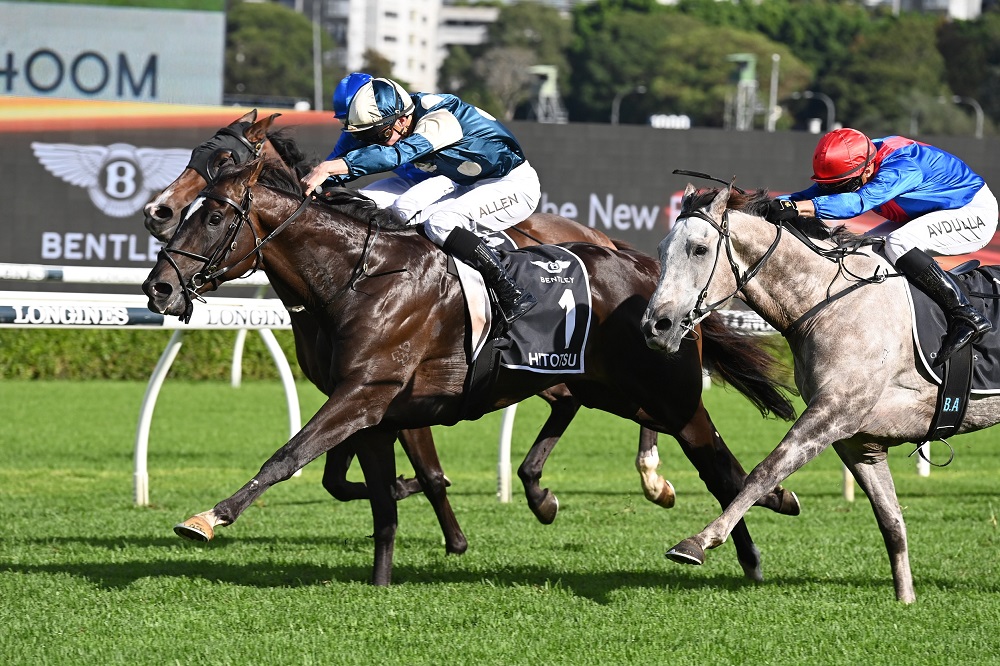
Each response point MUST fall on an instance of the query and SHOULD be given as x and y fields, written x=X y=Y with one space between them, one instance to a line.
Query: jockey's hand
x=315 y=178
x=781 y=210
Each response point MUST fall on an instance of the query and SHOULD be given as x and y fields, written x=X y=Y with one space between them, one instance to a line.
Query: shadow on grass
x=597 y=586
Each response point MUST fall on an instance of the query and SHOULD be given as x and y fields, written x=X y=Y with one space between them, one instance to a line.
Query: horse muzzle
x=159 y=222
x=164 y=298
x=662 y=333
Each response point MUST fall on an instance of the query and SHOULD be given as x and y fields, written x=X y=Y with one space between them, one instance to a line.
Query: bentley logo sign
x=119 y=178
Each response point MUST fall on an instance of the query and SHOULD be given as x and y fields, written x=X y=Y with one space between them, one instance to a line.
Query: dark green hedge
x=103 y=354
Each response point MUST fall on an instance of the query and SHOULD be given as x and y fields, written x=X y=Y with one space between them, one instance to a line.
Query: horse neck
x=312 y=260
x=794 y=278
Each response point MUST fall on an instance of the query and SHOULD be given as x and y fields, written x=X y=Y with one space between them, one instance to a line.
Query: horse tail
x=747 y=363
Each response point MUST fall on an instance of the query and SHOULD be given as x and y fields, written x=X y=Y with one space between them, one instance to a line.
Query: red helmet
x=842 y=154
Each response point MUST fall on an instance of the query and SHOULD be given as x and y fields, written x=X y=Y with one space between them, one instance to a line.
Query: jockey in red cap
x=933 y=202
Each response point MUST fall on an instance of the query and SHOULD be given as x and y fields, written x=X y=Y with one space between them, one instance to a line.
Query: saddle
x=550 y=338
x=975 y=369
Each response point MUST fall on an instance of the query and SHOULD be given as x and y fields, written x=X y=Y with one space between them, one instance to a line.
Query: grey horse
x=855 y=363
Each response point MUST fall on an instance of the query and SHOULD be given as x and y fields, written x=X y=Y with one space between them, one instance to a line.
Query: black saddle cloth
x=930 y=325
x=551 y=337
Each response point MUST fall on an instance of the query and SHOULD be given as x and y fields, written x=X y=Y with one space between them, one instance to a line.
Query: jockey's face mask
x=841 y=186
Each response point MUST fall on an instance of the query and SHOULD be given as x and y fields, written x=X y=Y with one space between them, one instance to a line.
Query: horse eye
x=700 y=250
x=215 y=218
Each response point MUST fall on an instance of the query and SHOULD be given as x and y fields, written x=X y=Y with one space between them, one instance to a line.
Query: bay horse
x=247 y=137
x=848 y=327
x=378 y=291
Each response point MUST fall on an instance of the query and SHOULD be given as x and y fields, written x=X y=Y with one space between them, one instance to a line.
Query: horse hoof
x=195 y=529
x=789 y=502
x=457 y=548
x=547 y=509
x=687 y=552
x=667 y=497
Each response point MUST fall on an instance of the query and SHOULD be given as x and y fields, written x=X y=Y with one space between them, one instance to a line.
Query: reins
x=835 y=254
x=211 y=271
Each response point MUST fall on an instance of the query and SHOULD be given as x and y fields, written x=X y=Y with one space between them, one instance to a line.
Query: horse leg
x=419 y=448
x=723 y=476
x=542 y=502
x=403 y=487
x=338 y=461
x=379 y=466
x=656 y=489
x=806 y=439
x=871 y=470
x=346 y=419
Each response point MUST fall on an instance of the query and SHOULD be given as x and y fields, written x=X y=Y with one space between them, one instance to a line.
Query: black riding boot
x=965 y=323
x=511 y=299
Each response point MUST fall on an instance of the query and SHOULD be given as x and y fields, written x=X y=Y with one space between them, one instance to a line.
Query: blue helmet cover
x=345 y=92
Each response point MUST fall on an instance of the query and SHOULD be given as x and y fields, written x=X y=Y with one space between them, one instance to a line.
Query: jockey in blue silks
x=458 y=171
x=933 y=202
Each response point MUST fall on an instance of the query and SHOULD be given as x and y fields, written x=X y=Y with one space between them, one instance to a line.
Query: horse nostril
x=663 y=325
x=161 y=289
x=157 y=212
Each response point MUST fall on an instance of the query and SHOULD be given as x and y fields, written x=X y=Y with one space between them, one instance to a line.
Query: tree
x=523 y=35
x=888 y=71
x=378 y=65
x=665 y=52
x=505 y=74
x=971 y=51
x=269 y=53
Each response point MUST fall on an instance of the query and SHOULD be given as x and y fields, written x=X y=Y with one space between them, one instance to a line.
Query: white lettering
x=70 y=315
x=623 y=217
x=595 y=209
x=121 y=179
x=71 y=245
x=551 y=360
x=99 y=247
x=567 y=209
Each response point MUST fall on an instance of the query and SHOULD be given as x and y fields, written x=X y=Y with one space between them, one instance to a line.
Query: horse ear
x=689 y=191
x=257 y=132
x=247 y=117
x=718 y=206
x=257 y=167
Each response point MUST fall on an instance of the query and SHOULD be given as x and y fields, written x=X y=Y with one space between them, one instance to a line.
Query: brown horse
x=377 y=293
x=245 y=138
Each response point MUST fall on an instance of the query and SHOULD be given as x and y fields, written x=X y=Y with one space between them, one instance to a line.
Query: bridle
x=835 y=254
x=700 y=309
x=212 y=268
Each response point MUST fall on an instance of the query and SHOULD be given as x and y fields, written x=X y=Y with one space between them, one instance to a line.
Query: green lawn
x=87 y=578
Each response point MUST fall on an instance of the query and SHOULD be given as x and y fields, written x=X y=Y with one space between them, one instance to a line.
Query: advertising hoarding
x=112 y=53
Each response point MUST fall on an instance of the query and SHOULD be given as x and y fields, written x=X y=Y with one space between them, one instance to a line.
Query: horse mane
x=342 y=200
x=756 y=202
x=289 y=151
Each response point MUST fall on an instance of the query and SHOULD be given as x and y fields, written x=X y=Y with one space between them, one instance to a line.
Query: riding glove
x=781 y=210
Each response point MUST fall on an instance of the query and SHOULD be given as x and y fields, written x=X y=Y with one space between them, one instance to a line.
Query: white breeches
x=385 y=192
x=944 y=232
x=492 y=204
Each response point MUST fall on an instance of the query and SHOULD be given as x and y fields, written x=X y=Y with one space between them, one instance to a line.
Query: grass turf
x=86 y=577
